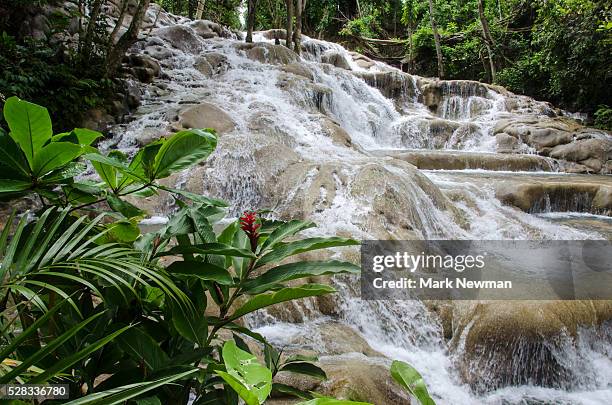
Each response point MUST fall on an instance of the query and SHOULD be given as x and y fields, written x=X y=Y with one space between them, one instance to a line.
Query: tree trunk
x=118 y=25
x=200 y=10
x=289 y=28
x=113 y=59
x=486 y=32
x=298 y=27
x=87 y=41
x=252 y=5
x=434 y=27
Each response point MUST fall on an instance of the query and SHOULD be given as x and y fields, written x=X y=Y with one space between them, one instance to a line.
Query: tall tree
x=298 y=26
x=200 y=10
x=87 y=40
x=434 y=28
x=113 y=36
x=488 y=39
x=116 y=53
x=289 y=27
x=252 y=6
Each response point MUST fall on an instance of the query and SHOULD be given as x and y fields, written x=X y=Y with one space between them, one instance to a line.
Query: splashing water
x=294 y=116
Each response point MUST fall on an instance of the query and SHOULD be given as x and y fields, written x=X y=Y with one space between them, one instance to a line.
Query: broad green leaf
x=409 y=378
x=143 y=162
x=12 y=157
x=53 y=156
x=210 y=249
x=190 y=324
x=292 y=271
x=241 y=241
x=286 y=294
x=129 y=173
x=304 y=245
x=123 y=207
x=245 y=368
x=305 y=368
x=108 y=173
x=143 y=348
x=68 y=171
x=124 y=231
x=79 y=136
x=201 y=270
x=121 y=394
x=284 y=231
x=249 y=397
x=30 y=126
x=12 y=186
x=182 y=150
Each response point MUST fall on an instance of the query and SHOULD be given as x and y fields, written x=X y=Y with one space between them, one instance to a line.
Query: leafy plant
x=93 y=302
x=409 y=378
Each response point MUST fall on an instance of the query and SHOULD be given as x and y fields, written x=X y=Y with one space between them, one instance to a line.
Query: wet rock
x=180 y=37
x=298 y=69
x=274 y=34
x=336 y=132
x=362 y=61
x=541 y=138
x=212 y=64
x=335 y=58
x=502 y=343
x=540 y=196
x=602 y=202
x=449 y=160
x=268 y=53
x=506 y=143
x=208 y=29
x=599 y=150
x=354 y=378
x=98 y=119
x=148 y=135
x=143 y=67
x=394 y=85
x=206 y=115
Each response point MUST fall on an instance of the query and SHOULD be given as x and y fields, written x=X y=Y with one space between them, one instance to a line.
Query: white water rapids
x=400 y=330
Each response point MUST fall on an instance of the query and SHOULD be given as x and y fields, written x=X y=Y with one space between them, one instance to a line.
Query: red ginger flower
x=248 y=223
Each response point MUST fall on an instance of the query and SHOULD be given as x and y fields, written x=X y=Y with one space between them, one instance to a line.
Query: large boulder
x=208 y=29
x=501 y=343
x=268 y=53
x=541 y=196
x=180 y=37
x=449 y=160
x=335 y=58
x=357 y=379
x=593 y=153
x=211 y=64
x=206 y=115
x=143 y=67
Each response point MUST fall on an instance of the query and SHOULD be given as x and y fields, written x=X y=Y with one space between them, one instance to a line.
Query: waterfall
x=283 y=155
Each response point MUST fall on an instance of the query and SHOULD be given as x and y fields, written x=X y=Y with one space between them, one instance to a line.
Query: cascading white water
x=405 y=330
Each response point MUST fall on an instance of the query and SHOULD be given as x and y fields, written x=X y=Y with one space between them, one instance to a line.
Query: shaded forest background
x=558 y=51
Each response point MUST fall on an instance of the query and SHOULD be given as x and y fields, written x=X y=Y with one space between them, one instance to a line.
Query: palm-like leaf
x=66 y=250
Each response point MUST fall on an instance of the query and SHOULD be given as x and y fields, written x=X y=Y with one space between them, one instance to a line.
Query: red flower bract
x=248 y=223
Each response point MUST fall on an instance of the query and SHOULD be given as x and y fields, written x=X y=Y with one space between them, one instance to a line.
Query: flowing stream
x=383 y=113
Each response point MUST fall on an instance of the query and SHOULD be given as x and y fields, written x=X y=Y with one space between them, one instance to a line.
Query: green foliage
x=91 y=296
x=603 y=117
x=407 y=376
x=35 y=70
